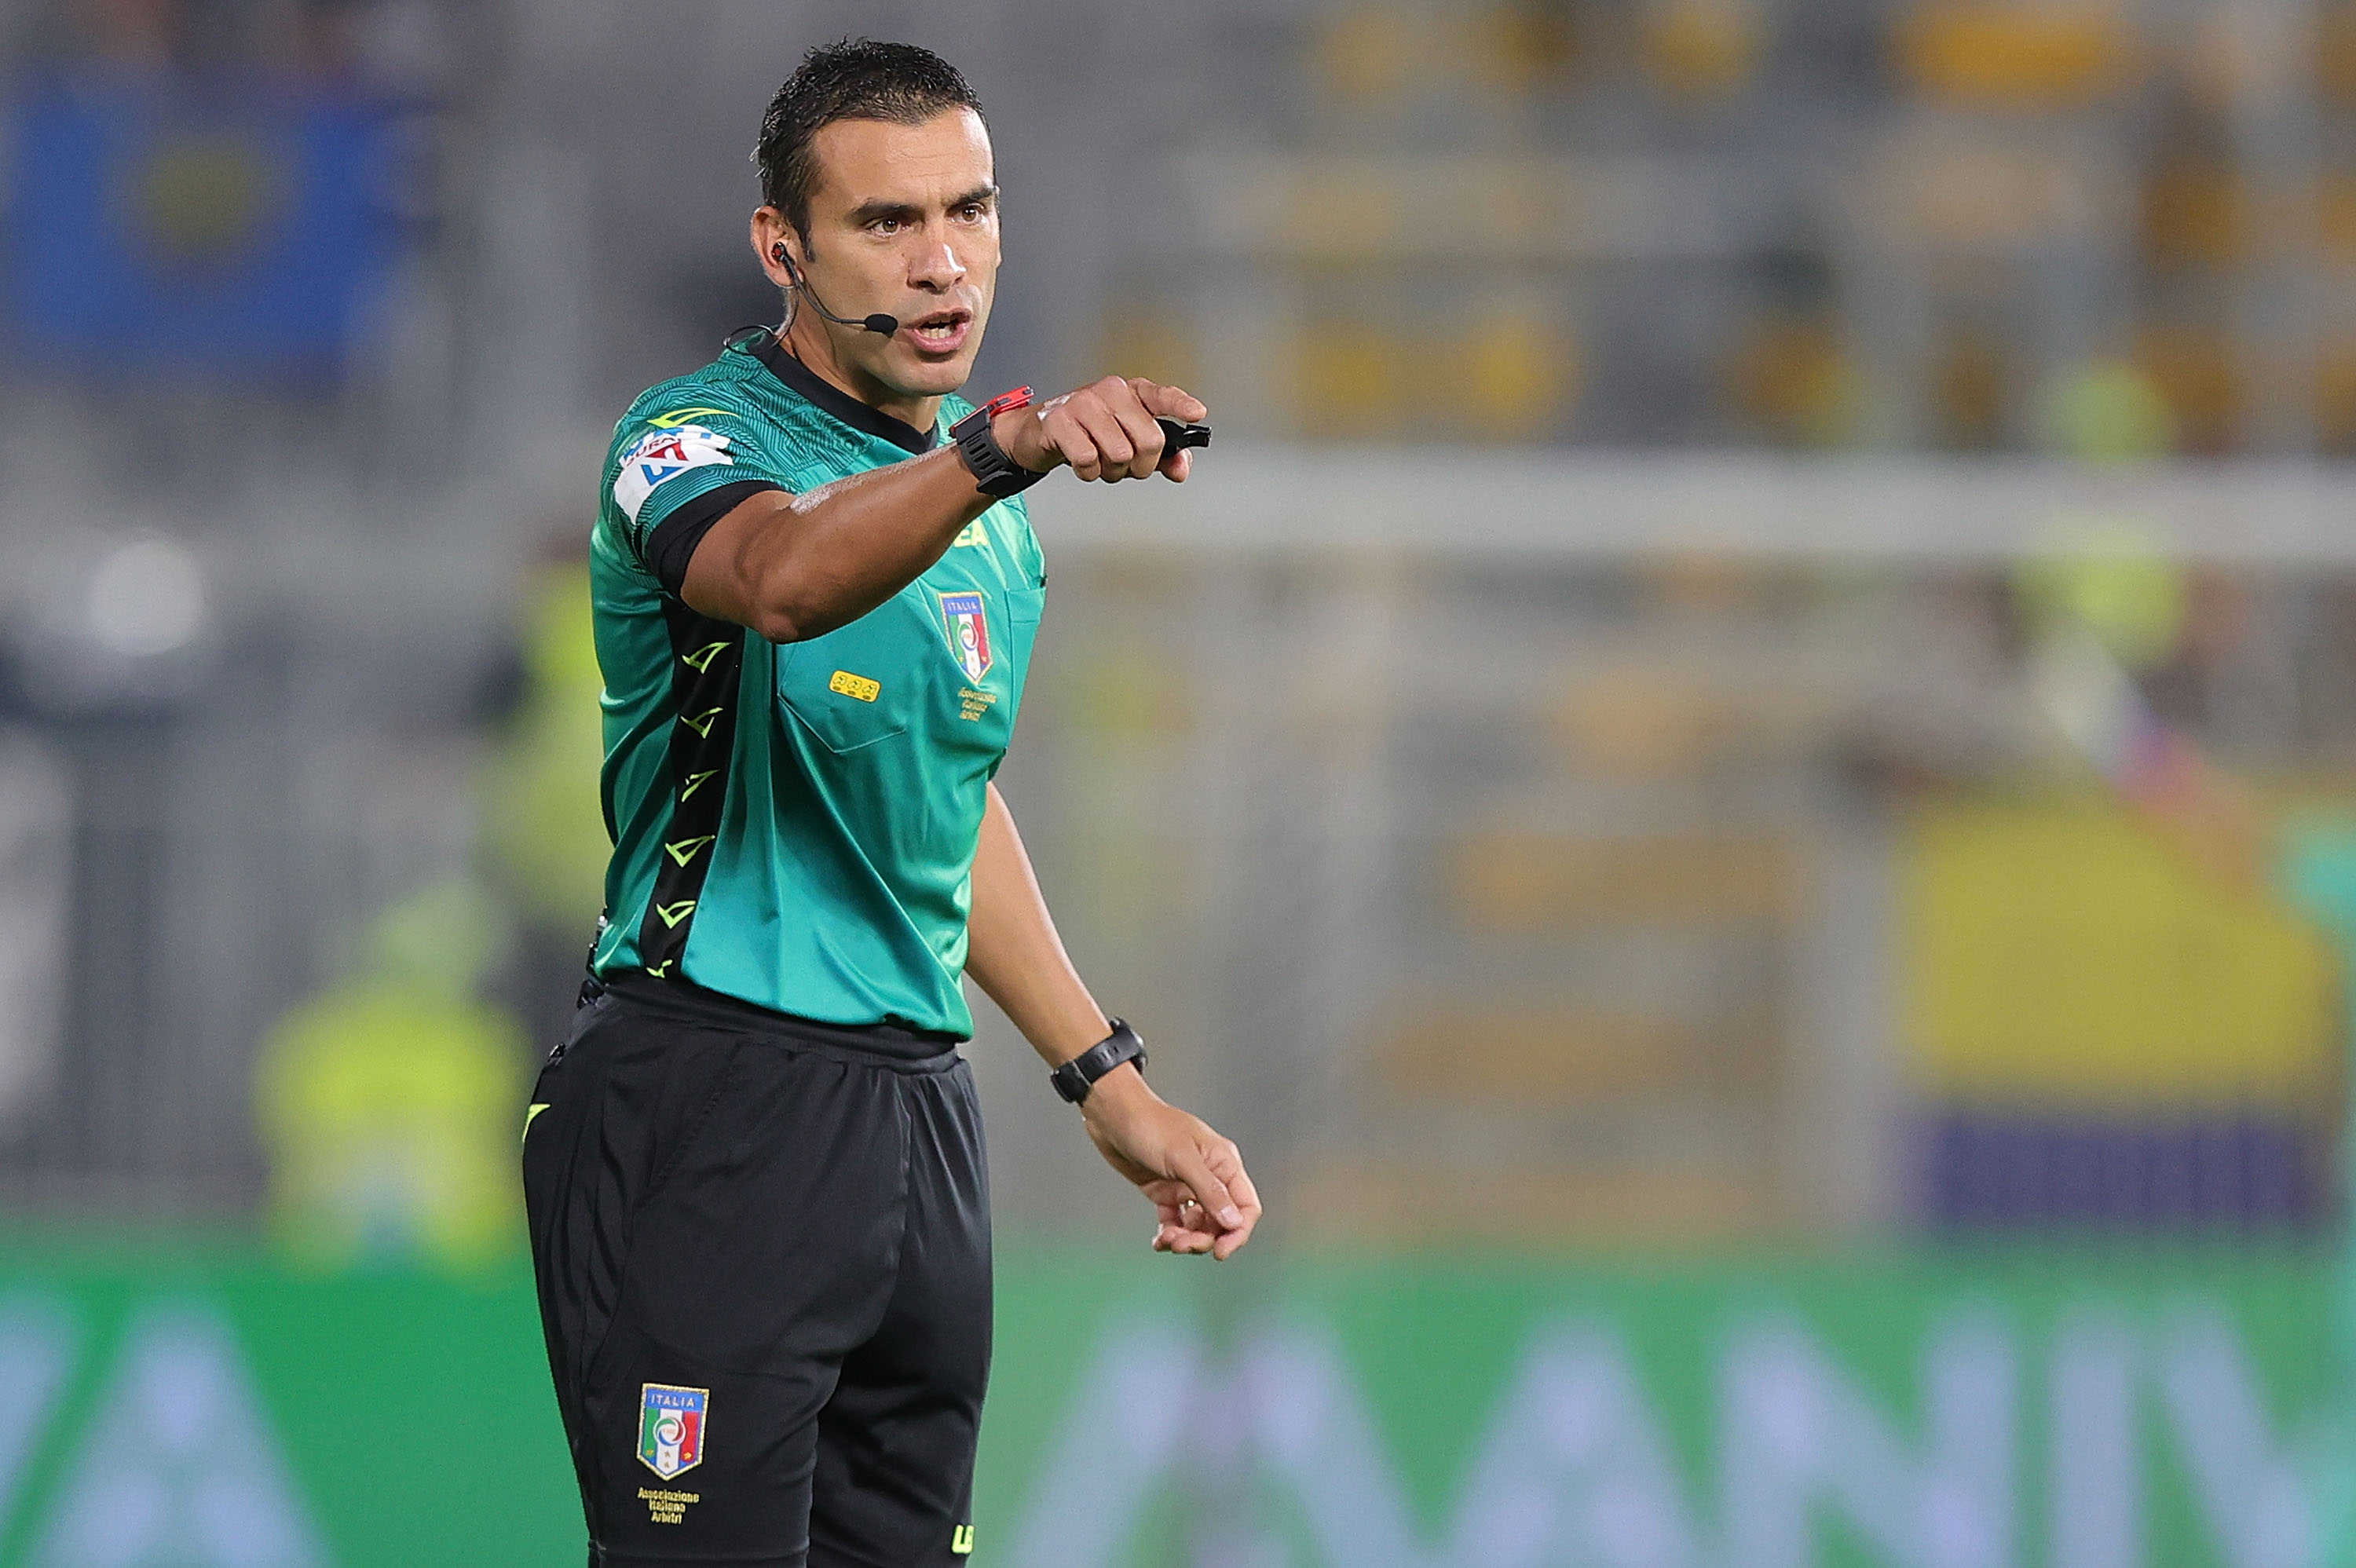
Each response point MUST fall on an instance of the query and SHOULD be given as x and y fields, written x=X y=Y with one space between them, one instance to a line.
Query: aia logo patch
x=670 y=1428
x=968 y=631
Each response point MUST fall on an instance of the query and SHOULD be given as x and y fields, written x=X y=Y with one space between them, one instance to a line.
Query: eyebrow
x=868 y=212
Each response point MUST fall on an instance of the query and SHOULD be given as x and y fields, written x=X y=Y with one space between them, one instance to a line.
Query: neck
x=812 y=340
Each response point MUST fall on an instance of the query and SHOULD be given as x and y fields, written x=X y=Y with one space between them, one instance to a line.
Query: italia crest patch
x=670 y=1428
x=661 y=455
x=968 y=631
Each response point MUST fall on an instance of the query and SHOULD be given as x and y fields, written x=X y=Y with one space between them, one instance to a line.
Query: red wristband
x=1006 y=402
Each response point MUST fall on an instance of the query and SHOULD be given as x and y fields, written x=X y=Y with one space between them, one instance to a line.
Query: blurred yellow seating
x=1502 y=377
x=2196 y=212
x=1365 y=54
x=1357 y=211
x=1565 y=1055
x=2017 y=55
x=1525 y=45
x=1519 y=881
x=2198 y=374
x=2335 y=401
x=2335 y=52
x=1970 y=387
x=2336 y=217
x=1507 y=377
x=1354 y=380
x=1703 y=49
x=1655 y=721
x=1792 y=381
x=1373 y=56
x=1643 y=722
x=2061 y=954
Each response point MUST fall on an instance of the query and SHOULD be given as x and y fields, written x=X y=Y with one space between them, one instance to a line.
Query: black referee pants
x=763 y=1253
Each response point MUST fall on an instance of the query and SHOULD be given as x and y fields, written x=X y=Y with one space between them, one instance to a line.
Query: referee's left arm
x=1203 y=1198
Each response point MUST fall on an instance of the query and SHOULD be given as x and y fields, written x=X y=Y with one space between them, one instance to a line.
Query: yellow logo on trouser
x=961 y=1542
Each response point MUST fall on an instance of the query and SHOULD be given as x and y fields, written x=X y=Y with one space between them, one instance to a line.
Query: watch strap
x=995 y=474
x=1076 y=1077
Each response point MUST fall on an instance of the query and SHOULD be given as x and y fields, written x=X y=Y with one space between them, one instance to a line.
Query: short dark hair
x=858 y=78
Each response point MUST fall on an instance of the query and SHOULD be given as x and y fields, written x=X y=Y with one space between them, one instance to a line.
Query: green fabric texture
x=830 y=878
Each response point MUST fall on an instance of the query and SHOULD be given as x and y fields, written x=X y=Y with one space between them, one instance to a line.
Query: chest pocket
x=861 y=682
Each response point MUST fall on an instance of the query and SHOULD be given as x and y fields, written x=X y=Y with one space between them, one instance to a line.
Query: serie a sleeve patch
x=661 y=455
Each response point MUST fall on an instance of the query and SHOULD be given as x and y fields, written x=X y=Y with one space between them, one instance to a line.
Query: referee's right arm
x=796 y=566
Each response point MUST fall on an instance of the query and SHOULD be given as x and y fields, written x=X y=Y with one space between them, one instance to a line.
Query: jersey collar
x=835 y=400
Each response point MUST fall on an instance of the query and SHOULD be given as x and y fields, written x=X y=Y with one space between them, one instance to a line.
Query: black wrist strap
x=995 y=474
x=1076 y=1077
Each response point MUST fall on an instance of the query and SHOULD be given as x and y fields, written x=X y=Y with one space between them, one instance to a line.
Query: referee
x=753 y=1169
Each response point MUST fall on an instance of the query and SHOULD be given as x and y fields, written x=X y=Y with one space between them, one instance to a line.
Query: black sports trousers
x=762 y=1252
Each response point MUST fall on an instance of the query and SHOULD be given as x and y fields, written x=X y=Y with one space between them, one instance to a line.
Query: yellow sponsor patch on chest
x=856 y=686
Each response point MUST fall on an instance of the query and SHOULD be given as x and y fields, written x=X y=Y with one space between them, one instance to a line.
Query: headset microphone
x=881 y=324
x=1175 y=436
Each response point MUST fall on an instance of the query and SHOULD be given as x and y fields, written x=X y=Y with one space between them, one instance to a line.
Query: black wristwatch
x=995 y=475
x=1076 y=1077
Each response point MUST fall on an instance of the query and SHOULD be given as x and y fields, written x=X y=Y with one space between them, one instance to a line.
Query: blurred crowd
x=1950 y=224
x=1961 y=891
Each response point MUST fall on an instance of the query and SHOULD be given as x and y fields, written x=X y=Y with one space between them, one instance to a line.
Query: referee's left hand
x=1203 y=1199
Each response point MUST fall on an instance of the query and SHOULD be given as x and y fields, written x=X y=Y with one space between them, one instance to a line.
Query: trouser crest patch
x=670 y=1427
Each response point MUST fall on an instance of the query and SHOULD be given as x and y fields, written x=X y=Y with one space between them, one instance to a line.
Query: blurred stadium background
x=1738 y=774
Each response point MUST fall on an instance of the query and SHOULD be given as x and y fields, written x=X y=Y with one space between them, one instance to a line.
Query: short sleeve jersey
x=794 y=824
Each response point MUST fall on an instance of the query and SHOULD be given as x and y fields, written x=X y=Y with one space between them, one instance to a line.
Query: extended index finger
x=1175 y=401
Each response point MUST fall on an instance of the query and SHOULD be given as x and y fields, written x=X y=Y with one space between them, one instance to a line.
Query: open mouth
x=943 y=329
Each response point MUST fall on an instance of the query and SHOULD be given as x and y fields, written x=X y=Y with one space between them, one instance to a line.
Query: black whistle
x=1176 y=437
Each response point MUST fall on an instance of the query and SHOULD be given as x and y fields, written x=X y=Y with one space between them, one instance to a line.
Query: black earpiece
x=881 y=324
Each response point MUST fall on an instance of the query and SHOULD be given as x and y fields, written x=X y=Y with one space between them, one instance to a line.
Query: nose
x=936 y=267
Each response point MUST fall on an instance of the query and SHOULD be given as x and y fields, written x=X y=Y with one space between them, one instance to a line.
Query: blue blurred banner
x=241 y=227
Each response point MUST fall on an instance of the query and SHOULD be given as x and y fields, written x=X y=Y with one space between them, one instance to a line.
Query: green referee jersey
x=794 y=824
